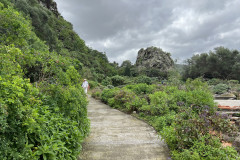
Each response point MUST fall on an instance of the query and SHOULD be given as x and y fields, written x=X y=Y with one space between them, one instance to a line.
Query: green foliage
x=233 y=81
x=107 y=81
x=141 y=88
x=4 y=4
x=8 y=57
x=93 y=84
x=108 y=94
x=158 y=103
x=16 y=30
x=174 y=78
x=18 y=101
x=185 y=116
x=220 y=88
x=212 y=150
x=48 y=121
x=50 y=27
x=143 y=79
x=126 y=68
x=30 y=129
x=221 y=63
x=214 y=81
x=159 y=122
x=58 y=34
x=123 y=98
x=117 y=80
x=96 y=93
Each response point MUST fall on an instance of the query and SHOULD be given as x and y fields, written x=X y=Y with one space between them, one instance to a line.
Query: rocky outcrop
x=154 y=58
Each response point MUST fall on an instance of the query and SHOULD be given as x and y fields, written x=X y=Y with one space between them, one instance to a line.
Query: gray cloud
x=181 y=27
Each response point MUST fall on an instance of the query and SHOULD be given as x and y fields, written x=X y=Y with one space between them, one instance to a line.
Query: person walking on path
x=85 y=85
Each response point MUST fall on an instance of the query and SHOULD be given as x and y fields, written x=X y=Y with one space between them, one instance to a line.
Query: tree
x=126 y=68
x=221 y=63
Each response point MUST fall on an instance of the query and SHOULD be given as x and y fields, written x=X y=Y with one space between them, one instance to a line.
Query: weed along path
x=118 y=136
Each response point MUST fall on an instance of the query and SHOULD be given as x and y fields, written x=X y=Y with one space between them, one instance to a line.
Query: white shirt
x=85 y=84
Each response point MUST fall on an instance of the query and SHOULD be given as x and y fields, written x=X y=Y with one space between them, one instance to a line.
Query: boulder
x=154 y=58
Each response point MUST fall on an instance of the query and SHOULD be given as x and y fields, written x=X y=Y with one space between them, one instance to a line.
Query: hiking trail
x=115 y=135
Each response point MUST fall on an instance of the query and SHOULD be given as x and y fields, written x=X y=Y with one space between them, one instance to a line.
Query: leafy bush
x=122 y=99
x=19 y=104
x=30 y=129
x=214 y=81
x=190 y=127
x=186 y=118
x=110 y=86
x=136 y=103
x=117 y=80
x=233 y=81
x=141 y=88
x=159 y=122
x=107 y=81
x=206 y=148
x=97 y=92
x=108 y=93
x=158 y=103
x=93 y=84
x=48 y=121
x=220 y=88
x=144 y=79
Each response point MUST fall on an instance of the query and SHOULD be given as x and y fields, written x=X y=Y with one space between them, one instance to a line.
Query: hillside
x=60 y=37
x=43 y=112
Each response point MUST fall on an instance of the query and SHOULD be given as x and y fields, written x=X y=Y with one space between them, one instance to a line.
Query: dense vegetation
x=58 y=34
x=221 y=63
x=184 y=114
x=43 y=111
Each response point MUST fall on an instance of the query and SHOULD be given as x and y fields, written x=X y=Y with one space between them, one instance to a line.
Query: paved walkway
x=230 y=103
x=118 y=136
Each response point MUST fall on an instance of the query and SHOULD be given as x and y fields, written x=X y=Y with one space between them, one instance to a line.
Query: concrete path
x=118 y=136
x=231 y=103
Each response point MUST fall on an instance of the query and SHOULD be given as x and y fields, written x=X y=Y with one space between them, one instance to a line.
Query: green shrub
x=143 y=79
x=30 y=129
x=108 y=93
x=233 y=81
x=214 y=81
x=211 y=148
x=141 y=88
x=107 y=81
x=168 y=133
x=185 y=155
x=159 y=122
x=117 y=80
x=97 y=92
x=136 y=103
x=19 y=105
x=196 y=84
x=158 y=103
x=184 y=117
x=9 y=65
x=123 y=99
x=220 y=88
x=191 y=127
x=93 y=84
x=48 y=121
x=110 y=86
x=70 y=77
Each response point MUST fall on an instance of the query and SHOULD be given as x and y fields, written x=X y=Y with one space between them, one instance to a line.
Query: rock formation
x=154 y=58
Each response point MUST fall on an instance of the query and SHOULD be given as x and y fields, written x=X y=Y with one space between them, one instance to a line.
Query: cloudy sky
x=182 y=27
